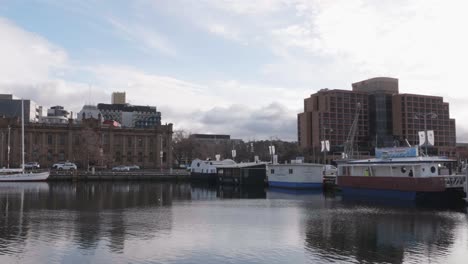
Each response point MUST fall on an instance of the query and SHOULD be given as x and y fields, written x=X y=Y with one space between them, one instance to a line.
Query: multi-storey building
x=328 y=115
x=413 y=113
x=387 y=119
x=86 y=142
x=10 y=106
x=131 y=115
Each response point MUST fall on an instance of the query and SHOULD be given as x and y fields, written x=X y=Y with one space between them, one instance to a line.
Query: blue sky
x=236 y=67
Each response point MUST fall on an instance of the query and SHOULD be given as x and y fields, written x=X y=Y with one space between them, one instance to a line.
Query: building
x=87 y=142
x=10 y=107
x=387 y=118
x=55 y=115
x=131 y=115
x=89 y=111
x=328 y=115
x=118 y=98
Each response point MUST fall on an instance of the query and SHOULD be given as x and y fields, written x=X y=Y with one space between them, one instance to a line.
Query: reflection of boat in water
x=295 y=175
x=406 y=178
x=17 y=187
x=293 y=194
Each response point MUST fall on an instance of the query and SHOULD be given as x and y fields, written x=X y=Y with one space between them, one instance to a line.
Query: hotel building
x=386 y=118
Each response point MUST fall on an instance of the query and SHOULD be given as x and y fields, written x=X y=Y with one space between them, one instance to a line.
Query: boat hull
x=400 y=188
x=23 y=177
x=295 y=185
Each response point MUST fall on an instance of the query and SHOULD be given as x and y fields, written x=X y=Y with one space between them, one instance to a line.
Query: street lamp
x=425 y=116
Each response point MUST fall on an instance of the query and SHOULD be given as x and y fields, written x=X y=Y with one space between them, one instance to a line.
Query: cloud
x=143 y=36
x=27 y=57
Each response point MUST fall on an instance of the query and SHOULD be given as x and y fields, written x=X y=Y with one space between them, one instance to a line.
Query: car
x=32 y=166
x=66 y=166
x=56 y=165
x=133 y=167
x=121 y=168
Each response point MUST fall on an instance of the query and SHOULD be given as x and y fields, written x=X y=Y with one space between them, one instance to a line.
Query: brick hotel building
x=387 y=118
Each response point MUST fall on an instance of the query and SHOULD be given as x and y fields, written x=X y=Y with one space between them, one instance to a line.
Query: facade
x=131 y=115
x=387 y=118
x=407 y=109
x=55 y=115
x=328 y=115
x=88 y=142
x=10 y=107
x=118 y=98
x=89 y=111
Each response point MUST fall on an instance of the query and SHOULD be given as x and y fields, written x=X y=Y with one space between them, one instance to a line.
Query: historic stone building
x=86 y=143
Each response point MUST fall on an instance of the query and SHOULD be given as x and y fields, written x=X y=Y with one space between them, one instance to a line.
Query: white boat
x=19 y=175
x=295 y=175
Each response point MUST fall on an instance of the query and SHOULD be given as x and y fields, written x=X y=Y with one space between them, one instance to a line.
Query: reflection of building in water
x=373 y=235
x=86 y=212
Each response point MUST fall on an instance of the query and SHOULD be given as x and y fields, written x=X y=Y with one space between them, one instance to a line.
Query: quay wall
x=137 y=175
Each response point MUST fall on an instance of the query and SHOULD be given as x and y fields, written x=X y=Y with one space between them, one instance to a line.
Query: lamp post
x=424 y=116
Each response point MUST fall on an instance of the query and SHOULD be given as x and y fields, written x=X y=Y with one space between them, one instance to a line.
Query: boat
x=295 y=175
x=206 y=170
x=19 y=174
x=400 y=173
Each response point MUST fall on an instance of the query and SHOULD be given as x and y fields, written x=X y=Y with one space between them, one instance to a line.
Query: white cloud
x=27 y=57
x=143 y=36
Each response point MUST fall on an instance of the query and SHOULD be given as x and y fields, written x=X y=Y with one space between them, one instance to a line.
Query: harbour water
x=148 y=222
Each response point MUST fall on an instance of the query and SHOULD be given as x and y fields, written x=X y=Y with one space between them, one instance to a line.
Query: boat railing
x=455 y=181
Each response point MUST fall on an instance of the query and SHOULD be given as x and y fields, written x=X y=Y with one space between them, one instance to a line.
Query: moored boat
x=402 y=177
x=295 y=175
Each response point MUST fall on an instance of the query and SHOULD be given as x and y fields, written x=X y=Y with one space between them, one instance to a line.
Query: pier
x=107 y=175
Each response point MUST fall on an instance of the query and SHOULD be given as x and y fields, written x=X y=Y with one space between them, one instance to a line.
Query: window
x=151 y=156
x=50 y=139
x=272 y=171
x=140 y=156
x=290 y=171
x=62 y=139
x=129 y=156
x=118 y=156
x=61 y=156
x=129 y=141
x=140 y=142
x=49 y=155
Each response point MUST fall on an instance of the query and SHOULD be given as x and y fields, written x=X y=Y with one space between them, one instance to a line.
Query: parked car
x=121 y=168
x=66 y=166
x=56 y=165
x=133 y=167
x=32 y=166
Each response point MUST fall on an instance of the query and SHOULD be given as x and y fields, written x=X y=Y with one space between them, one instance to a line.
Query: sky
x=237 y=67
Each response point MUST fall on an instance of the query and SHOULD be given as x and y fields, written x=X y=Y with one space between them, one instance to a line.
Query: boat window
x=290 y=171
x=198 y=164
x=403 y=169
x=433 y=169
x=272 y=171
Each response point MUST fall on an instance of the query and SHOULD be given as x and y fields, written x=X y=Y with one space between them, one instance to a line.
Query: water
x=146 y=222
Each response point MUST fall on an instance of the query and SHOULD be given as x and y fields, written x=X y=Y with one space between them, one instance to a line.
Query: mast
x=22 y=134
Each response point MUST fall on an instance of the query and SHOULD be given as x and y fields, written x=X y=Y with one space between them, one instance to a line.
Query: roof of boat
x=434 y=159
x=296 y=164
x=242 y=165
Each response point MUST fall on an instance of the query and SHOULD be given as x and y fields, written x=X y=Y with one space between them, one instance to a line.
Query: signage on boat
x=388 y=153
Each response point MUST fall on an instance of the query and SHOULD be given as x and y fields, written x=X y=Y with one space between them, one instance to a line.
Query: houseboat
x=206 y=170
x=295 y=175
x=400 y=173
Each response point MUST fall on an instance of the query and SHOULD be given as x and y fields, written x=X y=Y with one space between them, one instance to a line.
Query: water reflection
x=179 y=223
x=364 y=232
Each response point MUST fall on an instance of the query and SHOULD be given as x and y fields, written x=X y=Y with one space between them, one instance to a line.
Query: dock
x=108 y=175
